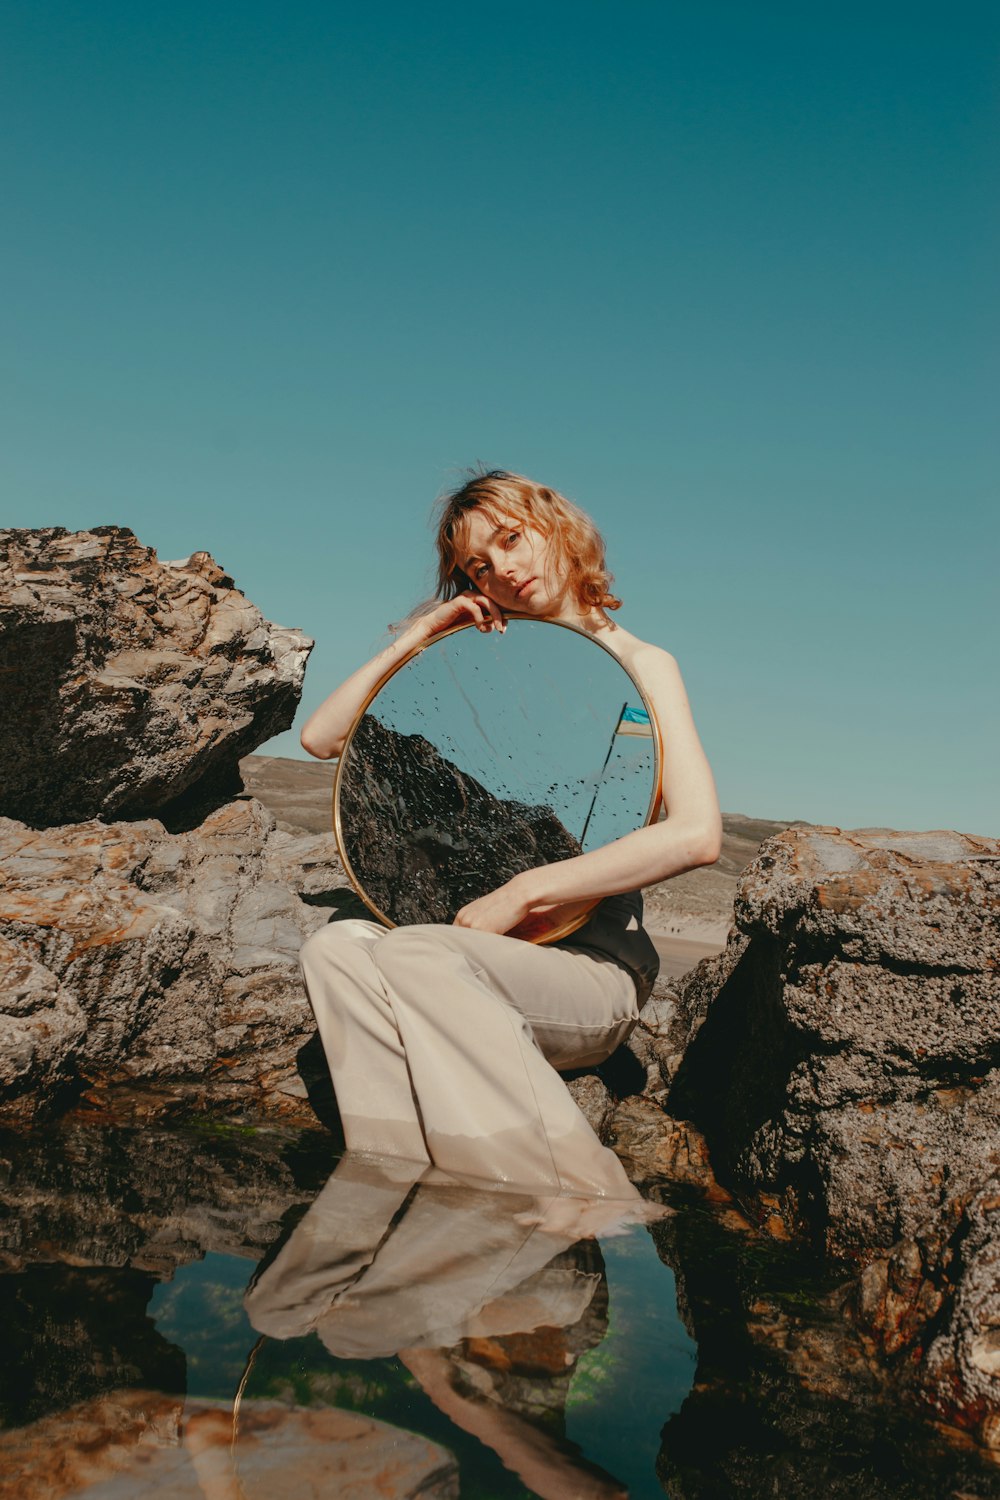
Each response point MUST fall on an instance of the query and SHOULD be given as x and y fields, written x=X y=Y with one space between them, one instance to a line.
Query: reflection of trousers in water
x=378 y=1265
x=443 y=1044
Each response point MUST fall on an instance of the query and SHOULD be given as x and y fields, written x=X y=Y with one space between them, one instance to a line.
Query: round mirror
x=484 y=755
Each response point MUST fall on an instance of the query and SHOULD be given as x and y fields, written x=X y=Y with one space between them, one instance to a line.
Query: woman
x=443 y=1040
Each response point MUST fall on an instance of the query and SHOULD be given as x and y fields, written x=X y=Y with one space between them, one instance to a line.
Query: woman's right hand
x=470 y=608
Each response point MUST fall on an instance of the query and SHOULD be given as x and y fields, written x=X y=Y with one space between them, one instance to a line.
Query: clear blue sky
x=724 y=273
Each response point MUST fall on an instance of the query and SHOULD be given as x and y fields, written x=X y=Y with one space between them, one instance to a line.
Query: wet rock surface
x=130 y=686
x=90 y=1195
x=929 y=1311
x=423 y=837
x=93 y=1217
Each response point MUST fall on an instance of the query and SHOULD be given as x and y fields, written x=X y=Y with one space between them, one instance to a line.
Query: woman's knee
x=408 y=950
x=339 y=944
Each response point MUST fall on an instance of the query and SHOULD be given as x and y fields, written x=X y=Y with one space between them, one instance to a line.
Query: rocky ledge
x=130 y=955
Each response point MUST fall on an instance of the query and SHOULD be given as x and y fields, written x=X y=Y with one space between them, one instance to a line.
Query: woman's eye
x=482 y=568
x=512 y=537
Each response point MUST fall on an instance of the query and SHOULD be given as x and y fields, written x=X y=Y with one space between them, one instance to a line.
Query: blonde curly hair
x=579 y=546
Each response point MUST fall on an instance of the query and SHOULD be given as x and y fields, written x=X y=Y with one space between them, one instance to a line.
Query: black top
x=614 y=930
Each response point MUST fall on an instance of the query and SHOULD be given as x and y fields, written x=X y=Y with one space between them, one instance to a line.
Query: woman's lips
x=522 y=586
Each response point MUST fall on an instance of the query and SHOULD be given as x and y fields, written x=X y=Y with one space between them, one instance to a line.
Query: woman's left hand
x=497 y=911
x=510 y=908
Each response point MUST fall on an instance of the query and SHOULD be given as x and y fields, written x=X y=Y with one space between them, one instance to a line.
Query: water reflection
x=125 y=1256
x=477 y=1290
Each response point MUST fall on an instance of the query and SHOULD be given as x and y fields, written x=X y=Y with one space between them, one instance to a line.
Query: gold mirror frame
x=540 y=933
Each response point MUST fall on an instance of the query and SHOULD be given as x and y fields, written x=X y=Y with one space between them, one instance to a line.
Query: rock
x=784 y=1400
x=929 y=1312
x=43 y=1025
x=931 y=1308
x=652 y=1145
x=593 y=1101
x=143 y=956
x=303 y=1453
x=137 y=1443
x=130 y=686
x=843 y=1059
x=842 y=1055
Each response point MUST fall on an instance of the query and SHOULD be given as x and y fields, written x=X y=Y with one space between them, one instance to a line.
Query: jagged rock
x=842 y=1055
x=130 y=686
x=146 y=956
x=652 y=1145
x=843 y=1059
x=785 y=1401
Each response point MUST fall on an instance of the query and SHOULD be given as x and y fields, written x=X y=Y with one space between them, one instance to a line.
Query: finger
x=485 y=609
x=496 y=616
x=474 y=605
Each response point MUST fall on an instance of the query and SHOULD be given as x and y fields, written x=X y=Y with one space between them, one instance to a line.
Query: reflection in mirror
x=486 y=755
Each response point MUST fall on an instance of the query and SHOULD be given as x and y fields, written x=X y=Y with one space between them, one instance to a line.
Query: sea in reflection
x=233 y=1312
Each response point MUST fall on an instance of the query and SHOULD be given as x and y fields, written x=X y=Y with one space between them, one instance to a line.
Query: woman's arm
x=325 y=731
x=690 y=835
x=545 y=1464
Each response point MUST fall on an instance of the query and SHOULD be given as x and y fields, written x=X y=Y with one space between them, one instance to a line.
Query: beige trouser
x=443 y=1043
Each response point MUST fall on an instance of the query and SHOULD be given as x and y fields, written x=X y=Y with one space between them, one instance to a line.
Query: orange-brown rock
x=142 y=1443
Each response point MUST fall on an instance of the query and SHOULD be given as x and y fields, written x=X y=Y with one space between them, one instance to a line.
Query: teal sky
x=724 y=273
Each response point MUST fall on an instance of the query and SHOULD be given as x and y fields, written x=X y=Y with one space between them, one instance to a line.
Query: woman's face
x=512 y=564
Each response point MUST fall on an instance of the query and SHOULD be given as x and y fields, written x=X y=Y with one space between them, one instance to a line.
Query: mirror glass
x=485 y=755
